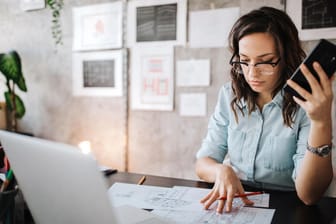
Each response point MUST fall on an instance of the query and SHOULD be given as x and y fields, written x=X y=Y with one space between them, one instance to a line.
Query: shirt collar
x=277 y=100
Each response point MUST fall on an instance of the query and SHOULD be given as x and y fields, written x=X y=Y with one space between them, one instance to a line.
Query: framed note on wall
x=152 y=78
x=314 y=19
x=98 y=73
x=98 y=26
x=156 y=22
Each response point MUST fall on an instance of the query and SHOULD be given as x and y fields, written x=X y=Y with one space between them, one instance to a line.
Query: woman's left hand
x=319 y=102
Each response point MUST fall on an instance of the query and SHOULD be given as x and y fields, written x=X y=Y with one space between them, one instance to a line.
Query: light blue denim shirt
x=265 y=151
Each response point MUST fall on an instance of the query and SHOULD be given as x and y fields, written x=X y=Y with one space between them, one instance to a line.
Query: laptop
x=62 y=185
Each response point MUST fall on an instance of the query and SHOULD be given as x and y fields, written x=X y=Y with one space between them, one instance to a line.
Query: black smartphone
x=325 y=54
x=109 y=172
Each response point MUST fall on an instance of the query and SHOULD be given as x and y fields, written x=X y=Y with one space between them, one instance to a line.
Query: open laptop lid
x=59 y=184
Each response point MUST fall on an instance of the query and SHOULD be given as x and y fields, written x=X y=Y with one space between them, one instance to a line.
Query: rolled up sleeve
x=214 y=145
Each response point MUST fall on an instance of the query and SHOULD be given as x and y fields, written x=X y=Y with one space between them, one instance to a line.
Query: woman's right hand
x=227 y=184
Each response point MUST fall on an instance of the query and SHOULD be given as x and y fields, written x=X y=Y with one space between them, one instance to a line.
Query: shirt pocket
x=236 y=141
x=280 y=152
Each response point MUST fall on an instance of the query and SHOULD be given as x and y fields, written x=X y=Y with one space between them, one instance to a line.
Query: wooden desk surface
x=289 y=208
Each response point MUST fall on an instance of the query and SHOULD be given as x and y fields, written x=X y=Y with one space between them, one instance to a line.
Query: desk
x=289 y=208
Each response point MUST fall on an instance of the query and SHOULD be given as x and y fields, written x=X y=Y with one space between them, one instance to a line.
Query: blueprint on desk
x=181 y=204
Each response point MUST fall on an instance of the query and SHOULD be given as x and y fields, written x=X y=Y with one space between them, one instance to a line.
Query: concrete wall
x=159 y=143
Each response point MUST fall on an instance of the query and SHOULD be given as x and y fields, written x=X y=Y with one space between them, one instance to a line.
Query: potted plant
x=10 y=67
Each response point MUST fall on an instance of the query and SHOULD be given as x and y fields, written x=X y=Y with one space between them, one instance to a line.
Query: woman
x=265 y=131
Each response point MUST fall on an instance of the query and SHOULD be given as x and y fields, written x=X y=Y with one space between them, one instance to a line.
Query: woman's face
x=256 y=48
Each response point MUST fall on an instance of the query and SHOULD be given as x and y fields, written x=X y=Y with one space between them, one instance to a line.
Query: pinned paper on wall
x=28 y=5
x=193 y=104
x=210 y=28
x=193 y=73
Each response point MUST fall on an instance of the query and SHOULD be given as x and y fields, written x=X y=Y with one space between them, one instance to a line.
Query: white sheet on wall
x=193 y=104
x=193 y=72
x=210 y=28
x=32 y=4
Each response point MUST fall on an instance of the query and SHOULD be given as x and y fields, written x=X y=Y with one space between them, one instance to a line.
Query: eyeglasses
x=263 y=68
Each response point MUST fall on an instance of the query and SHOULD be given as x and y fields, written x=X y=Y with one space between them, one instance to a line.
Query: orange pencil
x=142 y=180
x=242 y=195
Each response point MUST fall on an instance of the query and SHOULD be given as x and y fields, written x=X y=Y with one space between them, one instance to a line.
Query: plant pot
x=3 y=120
x=7 y=119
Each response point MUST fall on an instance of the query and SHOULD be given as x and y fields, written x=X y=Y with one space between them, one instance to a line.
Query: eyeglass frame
x=239 y=63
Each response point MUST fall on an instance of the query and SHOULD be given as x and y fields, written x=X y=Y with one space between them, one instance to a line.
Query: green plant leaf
x=10 y=66
x=19 y=105
x=22 y=84
x=51 y=2
x=56 y=7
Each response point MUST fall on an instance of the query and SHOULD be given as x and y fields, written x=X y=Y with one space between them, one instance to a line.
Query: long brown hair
x=278 y=24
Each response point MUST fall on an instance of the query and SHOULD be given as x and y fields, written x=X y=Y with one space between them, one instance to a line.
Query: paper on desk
x=238 y=216
x=181 y=204
x=177 y=198
x=141 y=196
x=196 y=194
x=151 y=197
x=138 y=216
x=2 y=176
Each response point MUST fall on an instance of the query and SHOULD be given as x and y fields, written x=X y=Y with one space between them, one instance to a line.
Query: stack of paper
x=182 y=204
